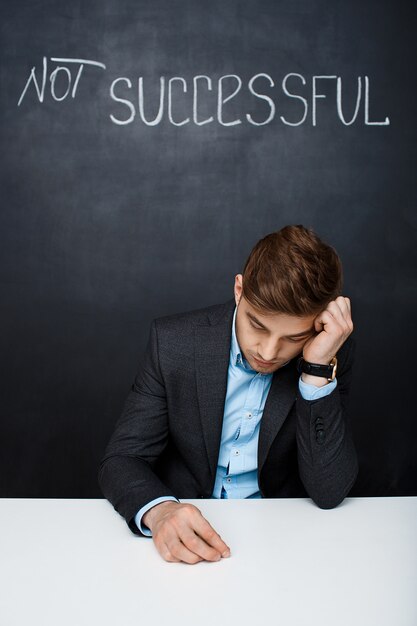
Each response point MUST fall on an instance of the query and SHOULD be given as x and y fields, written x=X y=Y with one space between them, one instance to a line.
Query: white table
x=76 y=563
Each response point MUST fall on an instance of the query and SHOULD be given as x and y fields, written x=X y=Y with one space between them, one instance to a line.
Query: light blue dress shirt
x=247 y=390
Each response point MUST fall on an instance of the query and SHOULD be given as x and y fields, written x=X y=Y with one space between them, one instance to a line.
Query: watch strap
x=317 y=369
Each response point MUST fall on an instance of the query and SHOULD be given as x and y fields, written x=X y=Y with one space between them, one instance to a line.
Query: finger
x=181 y=553
x=166 y=553
x=323 y=319
x=348 y=303
x=335 y=310
x=345 y=306
x=207 y=532
x=198 y=546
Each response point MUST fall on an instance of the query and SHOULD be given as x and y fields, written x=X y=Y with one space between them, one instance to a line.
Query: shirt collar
x=237 y=357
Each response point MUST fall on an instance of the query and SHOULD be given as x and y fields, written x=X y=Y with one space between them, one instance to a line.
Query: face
x=268 y=341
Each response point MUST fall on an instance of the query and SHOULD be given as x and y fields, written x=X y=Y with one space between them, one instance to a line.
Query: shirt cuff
x=138 y=517
x=311 y=392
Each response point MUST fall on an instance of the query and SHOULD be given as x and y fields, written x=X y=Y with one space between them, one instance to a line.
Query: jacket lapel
x=212 y=353
x=281 y=398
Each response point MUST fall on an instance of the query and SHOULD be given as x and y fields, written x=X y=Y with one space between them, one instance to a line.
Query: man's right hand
x=181 y=533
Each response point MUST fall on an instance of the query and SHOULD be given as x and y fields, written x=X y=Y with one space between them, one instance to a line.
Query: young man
x=239 y=400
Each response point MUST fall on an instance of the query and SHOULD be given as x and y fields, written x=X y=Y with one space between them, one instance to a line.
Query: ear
x=238 y=287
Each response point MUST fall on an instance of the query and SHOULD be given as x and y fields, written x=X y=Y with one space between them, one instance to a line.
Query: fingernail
x=226 y=554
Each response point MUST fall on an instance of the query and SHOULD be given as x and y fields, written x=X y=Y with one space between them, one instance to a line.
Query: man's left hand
x=333 y=326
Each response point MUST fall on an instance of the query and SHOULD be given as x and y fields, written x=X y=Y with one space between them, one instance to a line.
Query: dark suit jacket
x=167 y=439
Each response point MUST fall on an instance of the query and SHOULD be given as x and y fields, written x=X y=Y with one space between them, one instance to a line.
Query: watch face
x=333 y=362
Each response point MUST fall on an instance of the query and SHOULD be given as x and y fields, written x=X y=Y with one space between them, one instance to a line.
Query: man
x=239 y=400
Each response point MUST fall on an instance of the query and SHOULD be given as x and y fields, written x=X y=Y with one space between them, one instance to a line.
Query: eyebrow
x=301 y=334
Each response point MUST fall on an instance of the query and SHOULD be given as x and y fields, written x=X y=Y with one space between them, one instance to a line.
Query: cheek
x=292 y=349
x=251 y=336
x=247 y=339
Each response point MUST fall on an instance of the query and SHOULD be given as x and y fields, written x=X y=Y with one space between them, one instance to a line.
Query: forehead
x=282 y=322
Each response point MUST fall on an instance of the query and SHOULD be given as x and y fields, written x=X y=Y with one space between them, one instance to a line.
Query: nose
x=269 y=350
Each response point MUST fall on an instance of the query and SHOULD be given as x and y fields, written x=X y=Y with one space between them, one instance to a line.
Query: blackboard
x=146 y=147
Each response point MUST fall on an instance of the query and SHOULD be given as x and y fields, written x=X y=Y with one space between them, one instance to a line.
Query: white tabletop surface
x=76 y=563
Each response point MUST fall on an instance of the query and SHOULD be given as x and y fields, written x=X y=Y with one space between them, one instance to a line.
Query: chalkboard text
x=132 y=100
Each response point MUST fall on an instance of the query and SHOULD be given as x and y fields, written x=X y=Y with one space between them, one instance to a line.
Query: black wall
x=106 y=225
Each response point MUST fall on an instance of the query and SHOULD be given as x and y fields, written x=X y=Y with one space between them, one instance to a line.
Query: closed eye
x=290 y=339
x=296 y=339
x=256 y=327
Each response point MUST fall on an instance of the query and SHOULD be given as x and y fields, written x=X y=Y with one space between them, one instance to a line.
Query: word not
x=40 y=89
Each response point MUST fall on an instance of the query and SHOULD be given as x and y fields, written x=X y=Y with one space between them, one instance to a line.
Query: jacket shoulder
x=205 y=316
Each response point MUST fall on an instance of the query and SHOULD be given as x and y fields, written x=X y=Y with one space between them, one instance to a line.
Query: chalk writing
x=40 y=90
x=178 y=93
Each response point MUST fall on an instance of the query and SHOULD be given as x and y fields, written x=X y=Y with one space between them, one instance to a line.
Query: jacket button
x=319 y=420
x=320 y=436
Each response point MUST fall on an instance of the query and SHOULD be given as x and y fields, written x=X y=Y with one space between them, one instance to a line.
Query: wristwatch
x=317 y=369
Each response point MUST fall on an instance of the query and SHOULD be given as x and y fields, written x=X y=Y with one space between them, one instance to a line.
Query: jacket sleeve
x=126 y=475
x=327 y=459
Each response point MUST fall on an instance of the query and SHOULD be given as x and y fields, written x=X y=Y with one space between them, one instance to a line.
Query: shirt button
x=249 y=415
x=236 y=452
x=229 y=480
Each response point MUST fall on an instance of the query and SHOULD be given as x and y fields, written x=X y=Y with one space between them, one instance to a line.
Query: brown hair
x=292 y=271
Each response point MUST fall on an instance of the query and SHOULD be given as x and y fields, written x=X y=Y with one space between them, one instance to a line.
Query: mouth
x=264 y=363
